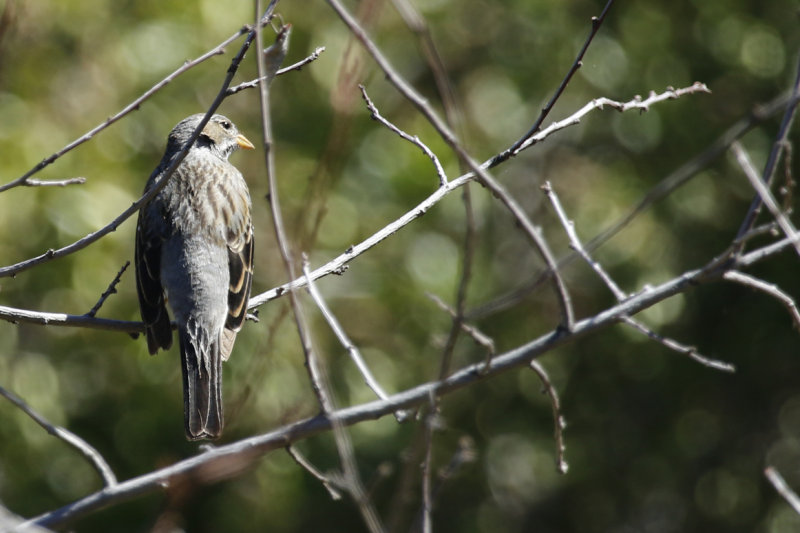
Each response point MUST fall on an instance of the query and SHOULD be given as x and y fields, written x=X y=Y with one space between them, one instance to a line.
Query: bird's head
x=219 y=135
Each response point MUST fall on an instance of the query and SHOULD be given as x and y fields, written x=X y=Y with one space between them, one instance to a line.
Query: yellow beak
x=243 y=142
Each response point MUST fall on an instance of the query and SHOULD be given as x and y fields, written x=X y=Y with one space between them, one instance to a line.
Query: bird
x=194 y=253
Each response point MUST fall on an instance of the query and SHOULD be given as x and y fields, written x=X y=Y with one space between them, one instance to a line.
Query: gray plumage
x=194 y=250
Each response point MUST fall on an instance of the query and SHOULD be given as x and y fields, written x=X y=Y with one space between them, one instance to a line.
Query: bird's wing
x=148 y=283
x=240 y=263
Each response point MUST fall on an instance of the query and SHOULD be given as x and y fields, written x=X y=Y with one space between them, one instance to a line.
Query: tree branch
x=225 y=461
x=83 y=447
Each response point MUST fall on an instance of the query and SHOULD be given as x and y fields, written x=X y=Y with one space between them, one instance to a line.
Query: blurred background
x=655 y=441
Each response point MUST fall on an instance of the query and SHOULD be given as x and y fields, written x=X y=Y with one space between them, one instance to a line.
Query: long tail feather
x=202 y=388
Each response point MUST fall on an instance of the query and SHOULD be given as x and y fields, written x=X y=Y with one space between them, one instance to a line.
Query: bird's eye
x=225 y=124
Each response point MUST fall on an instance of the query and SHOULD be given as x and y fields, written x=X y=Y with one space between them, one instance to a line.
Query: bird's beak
x=243 y=142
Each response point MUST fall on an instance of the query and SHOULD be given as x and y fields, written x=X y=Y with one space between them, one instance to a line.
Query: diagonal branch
x=133 y=106
x=775 y=154
x=250 y=448
x=783 y=488
x=767 y=288
x=764 y=193
x=376 y=115
x=85 y=449
x=528 y=138
x=174 y=164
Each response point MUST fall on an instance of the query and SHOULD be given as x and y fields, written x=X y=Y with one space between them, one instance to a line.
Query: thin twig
x=783 y=488
x=775 y=153
x=43 y=318
x=474 y=333
x=327 y=483
x=575 y=243
x=30 y=182
x=431 y=421
x=559 y=424
x=467 y=258
x=787 y=190
x=767 y=288
x=112 y=289
x=757 y=255
x=264 y=77
x=345 y=341
x=297 y=66
x=527 y=139
x=167 y=174
x=619 y=294
x=351 y=479
x=689 y=351
x=85 y=449
x=375 y=115
x=602 y=102
x=133 y=106
x=764 y=193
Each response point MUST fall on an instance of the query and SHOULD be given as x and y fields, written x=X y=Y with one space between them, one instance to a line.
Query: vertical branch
x=264 y=80
x=427 y=465
x=774 y=156
x=352 y=480
x=763 y=192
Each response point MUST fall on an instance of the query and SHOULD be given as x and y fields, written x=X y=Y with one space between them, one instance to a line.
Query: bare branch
x=619 y=294
x=600 y=103
x=297 y=66
x=112 y=289
x=375 y=115
x=30 y=182
x=174 y=164
x=783 y=489
x=273 y=199
x=787 y=189
x=765 y=194
x=133 y=106
x=480 y=172
x=775 y=153
x=767 y=288
x=316 y=370
x=689 y=351
x=477 y=335
x=559 y=424
x=575 y=243
x=85 y=449
x=527 y=138
x=431 y=423
x=327 y=483
x=281 y=437
x=338 y=264
x=351 y=348
x=42 y=318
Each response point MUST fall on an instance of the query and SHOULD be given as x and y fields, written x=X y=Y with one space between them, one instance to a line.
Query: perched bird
x=194 y=250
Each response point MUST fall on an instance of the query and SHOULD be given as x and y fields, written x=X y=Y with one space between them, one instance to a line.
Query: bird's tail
x=202 y=383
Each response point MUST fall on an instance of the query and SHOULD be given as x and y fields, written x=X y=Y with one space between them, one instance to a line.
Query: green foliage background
x=655 y=441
